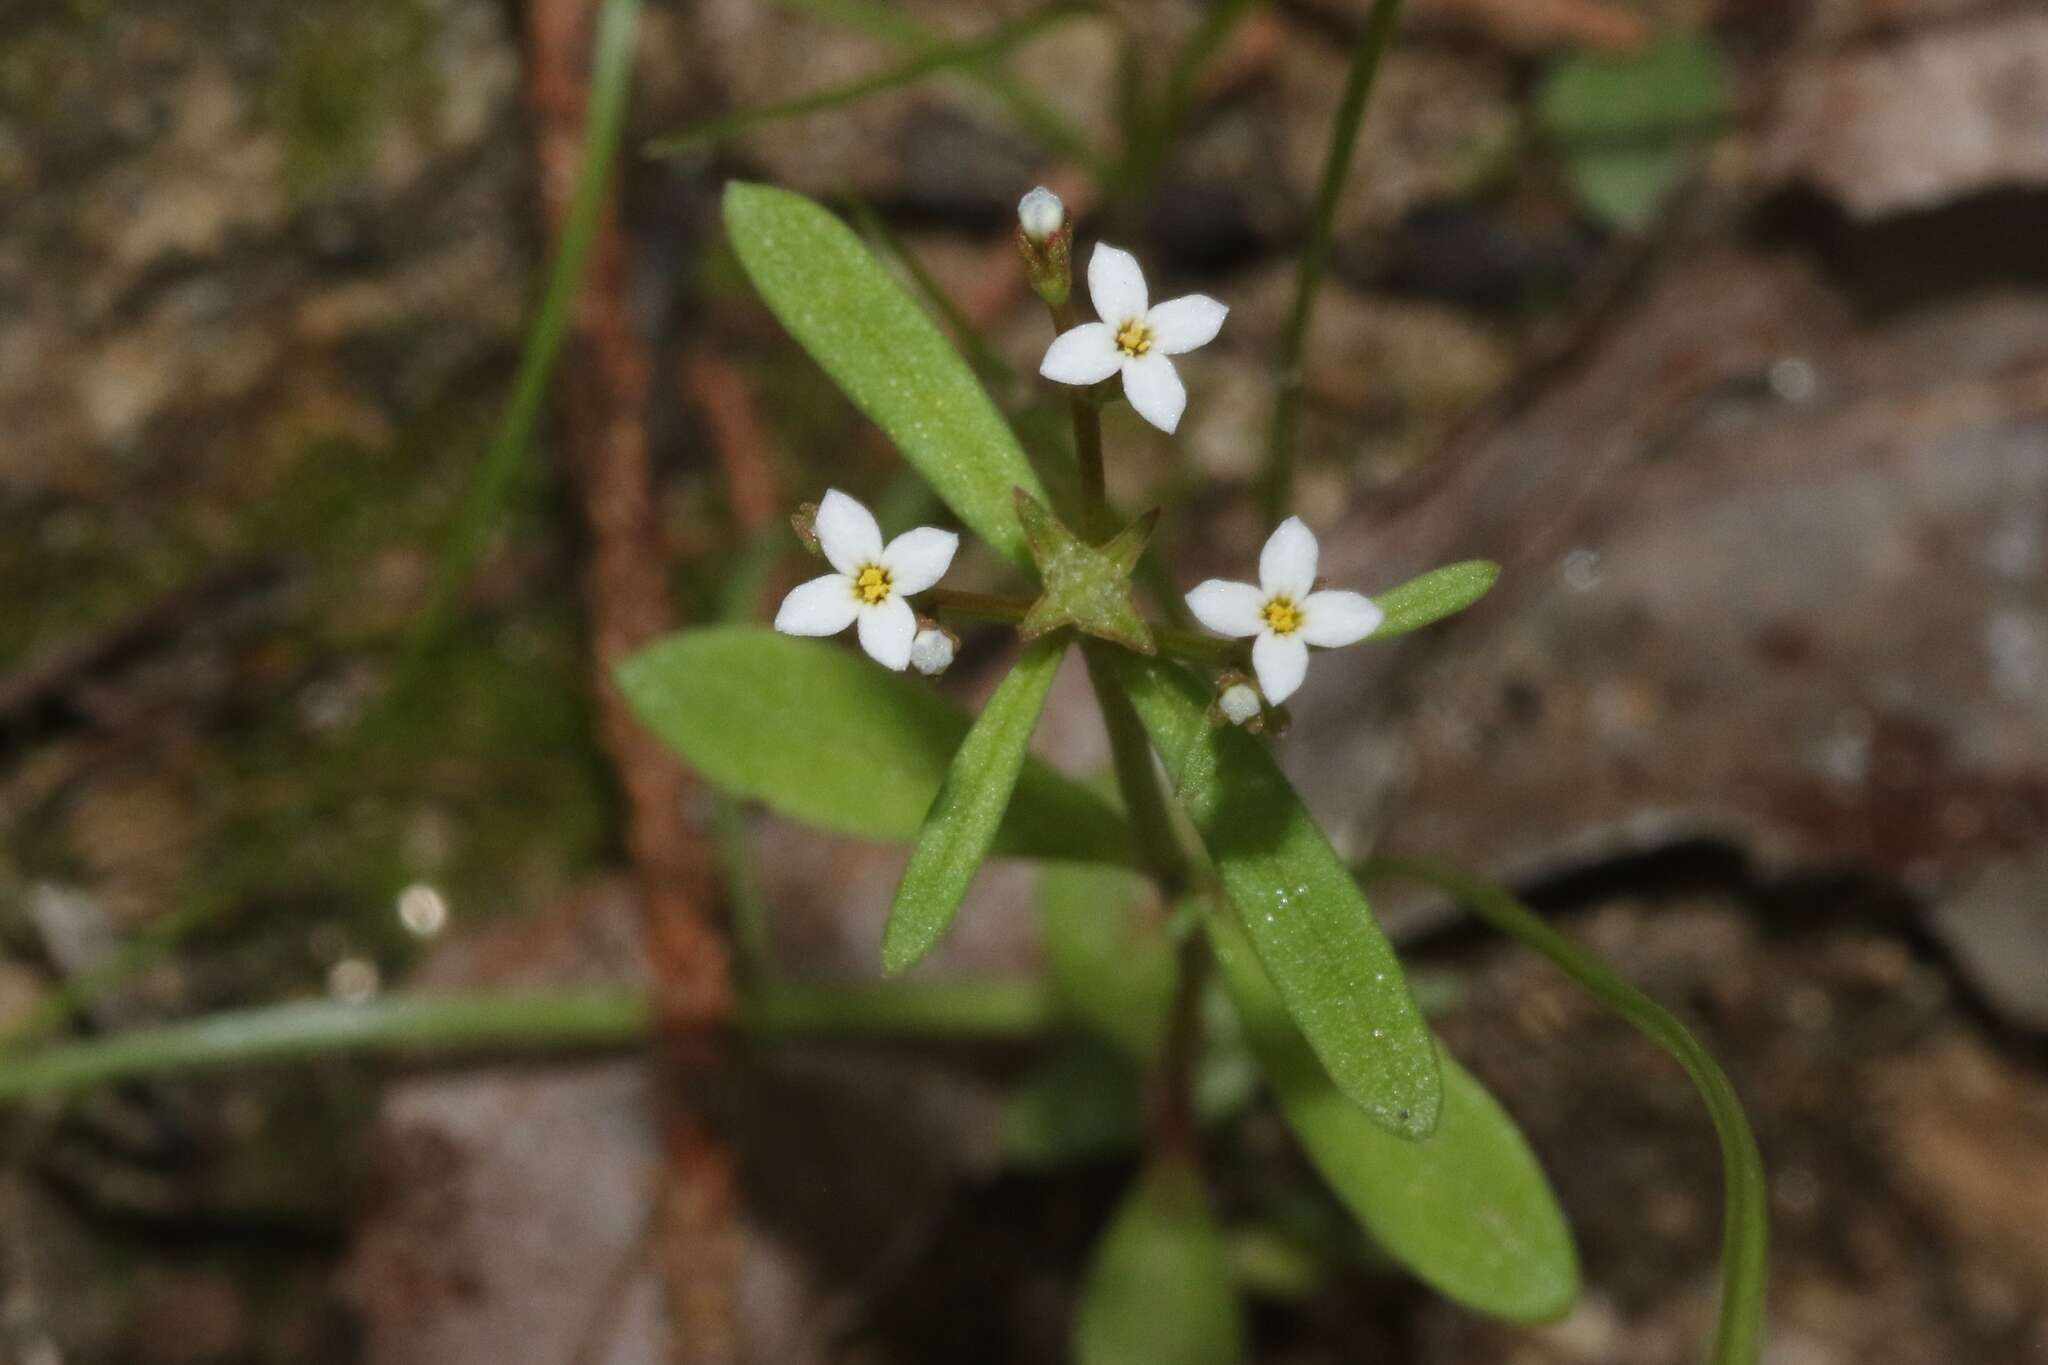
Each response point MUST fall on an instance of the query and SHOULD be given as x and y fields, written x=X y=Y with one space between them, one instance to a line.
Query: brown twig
x=720 y=391
x=607 y=381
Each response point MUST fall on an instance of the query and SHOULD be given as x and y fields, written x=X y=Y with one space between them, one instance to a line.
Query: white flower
x=1134 y=338
x=871 y=582
x=1041 y=214
x=1284 y=611
x=931 y=653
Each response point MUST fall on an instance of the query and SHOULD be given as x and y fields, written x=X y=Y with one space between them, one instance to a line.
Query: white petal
x=1182 y=324
x=823 y=606
x=887 y=630
x=847 y=533
x=1229 y=608
x=1281 y=661
x=1115 y=285
x=1287 y=566
x=1332 y=618
x=1155 y=390
x=1082 y=355
x=917 y=559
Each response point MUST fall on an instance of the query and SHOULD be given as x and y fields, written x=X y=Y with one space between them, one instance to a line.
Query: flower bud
x=1041 y=214
x=1239 y=703
x=931 y=653
x=1047 y=245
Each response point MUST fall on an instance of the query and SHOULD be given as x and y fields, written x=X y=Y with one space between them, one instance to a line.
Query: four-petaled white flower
x=1133 y=337
x=1285 y=611
x=871 y=581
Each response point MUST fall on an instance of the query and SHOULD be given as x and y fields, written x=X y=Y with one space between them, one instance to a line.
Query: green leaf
x=1625 y=186
x=1677 y=86
x=1745 y=1226
x=1468 y=1210
x=1311 y=925
x=1107 y=952
x=867 y=333
x=960 y=827
x=1631 y=126
x=1428 y=598
x=821 y=735
x=1159 y=1292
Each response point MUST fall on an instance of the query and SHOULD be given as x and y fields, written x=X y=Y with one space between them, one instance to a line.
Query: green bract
x=823 y=736
x=1468 y=1210
x=1305 y=914
x=1159 y=1292
x=961 y=825
x=885 y=355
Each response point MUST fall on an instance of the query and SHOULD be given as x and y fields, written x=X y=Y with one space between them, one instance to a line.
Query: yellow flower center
x=1283 y=616
x=872 y=585
x=1134 y=338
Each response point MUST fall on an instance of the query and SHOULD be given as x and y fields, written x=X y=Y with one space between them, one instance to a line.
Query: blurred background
x=1721 y=324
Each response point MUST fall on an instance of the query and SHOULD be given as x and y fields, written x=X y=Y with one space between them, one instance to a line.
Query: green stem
x=549 y=1020
x=973 y=54
x=1315 y=256
x=1745 y=1230
x=1087 y=419
x=1176 y=1127
x=1009 y=611
x=1136 y=776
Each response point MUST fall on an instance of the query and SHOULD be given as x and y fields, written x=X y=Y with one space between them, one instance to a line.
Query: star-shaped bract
x=1087 y=587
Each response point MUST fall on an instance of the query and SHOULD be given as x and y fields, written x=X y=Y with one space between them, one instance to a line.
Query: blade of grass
x=484 y=503
x=1745 y=1232
x=522 y=1021
x=1036 y=117
x=1315 y=254
x=1152 y=136
x=968 y=54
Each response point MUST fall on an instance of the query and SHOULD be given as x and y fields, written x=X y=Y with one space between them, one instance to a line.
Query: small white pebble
x=422 y=910
x=353 y=980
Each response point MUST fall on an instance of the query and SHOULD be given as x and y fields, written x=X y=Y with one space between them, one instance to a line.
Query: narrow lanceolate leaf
x=1306 y=917
x=1468 y=1210
x=1159 y=1292
x=960 y=828
x=1431 y=597
x=821 y=735
x=861 y=326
